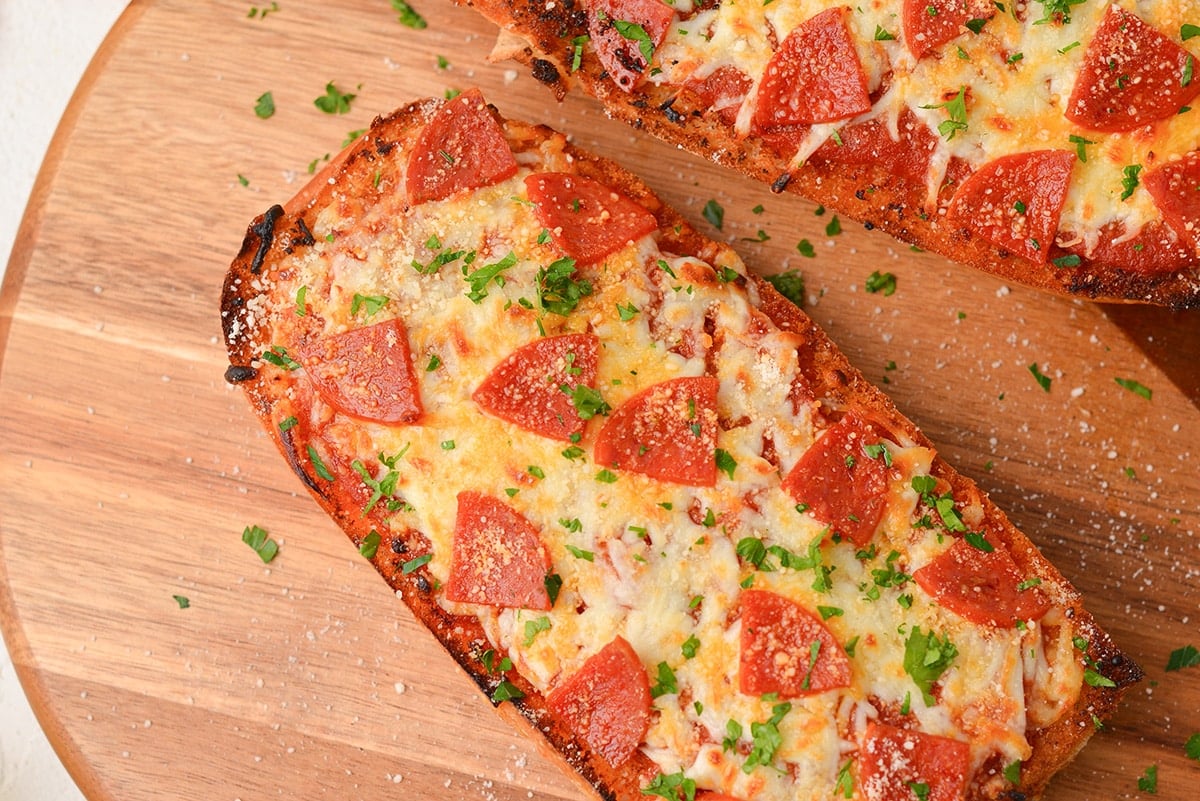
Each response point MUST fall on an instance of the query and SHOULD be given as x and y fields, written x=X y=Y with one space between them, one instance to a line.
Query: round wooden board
x=129 y=467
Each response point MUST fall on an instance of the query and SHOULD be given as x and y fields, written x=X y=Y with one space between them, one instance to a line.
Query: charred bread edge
x=866 y=194
x=281 y=228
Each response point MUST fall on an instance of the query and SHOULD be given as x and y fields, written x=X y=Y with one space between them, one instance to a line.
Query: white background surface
x=45 y=46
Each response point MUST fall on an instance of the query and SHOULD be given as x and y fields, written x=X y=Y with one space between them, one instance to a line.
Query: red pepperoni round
x=776 y=649
x=667 y=431
x=1132 y=75
x=461 y=147
x=1175 y=187
x=497 y=557
x=527 y=387
x=929 y=24
x=814 y=76
x=892 y=760
x=722 y=91
x=586 y=219
x=606 y=703
x=366 y=373
x=623 y=32
x=871 y=142
x=840 y=483
x=982 y=587
x=1015 y=201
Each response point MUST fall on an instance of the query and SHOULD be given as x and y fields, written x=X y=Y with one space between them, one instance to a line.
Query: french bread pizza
x=637 y=494
x=1050 y=142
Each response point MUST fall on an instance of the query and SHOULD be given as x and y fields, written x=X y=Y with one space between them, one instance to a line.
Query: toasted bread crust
x=541 y=35
x=276 y=396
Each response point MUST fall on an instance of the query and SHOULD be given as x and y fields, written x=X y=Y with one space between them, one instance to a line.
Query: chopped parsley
x=671 y=786
x=1057 y=11
x=765 y=738
x=408 y=15
x=263 y=545
x=1130 y=180
x=369 y=545
x=1091 y=673
x=318 y=464
x=558 y=291
x=1192 y=747
x=956 y=111
x=667 y=684
x=587 y=402
x=479 y=279
x=264 y=106
x=627 y=312
x=506 y=690
x=726 y=463
x=790 y=284
x=279 y=357
x=413 y=565
x=690 y=647
x=976 y=540
x=1135 y=387
x=1042 y=379
x=372 y=303
x=577 y=51
x=334 y=101
x=881 y=282
x=883 y=35
x=926 y=658
x=1188 y=31
x=535 y=627
x=1184 y=657
x=715 y=214
x=1148 y=781
x=806 y=249
x=182 y=600
x=1070 y=260
x=636 y=33
x=579 y=553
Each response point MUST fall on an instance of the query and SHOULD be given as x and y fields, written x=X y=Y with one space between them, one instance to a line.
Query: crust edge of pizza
x=464 y=638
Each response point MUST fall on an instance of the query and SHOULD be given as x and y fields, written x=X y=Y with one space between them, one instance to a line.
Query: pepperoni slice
x=1175 y=187
x=929 y=24
x=709 y=795
x=606 y=703
x=461 y=147
x=814 y=76
x=983 y=587
x=1015 y=201
x=892 y=761
x=667 y=431
x=366 y=373
x=777 y=647
x=871 y=142
x=1132 y=75
x=497 y=557
x=527 y=387
x=623 y=32
x=586 y=219
x=840 y=483
x=722 y=92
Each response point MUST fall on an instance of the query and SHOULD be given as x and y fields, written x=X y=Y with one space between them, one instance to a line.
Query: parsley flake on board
x=182 y=600
x=1042 y=379
x=408 y=15
x=1192 y=747
x=334 y=101
x=1184 y=657
x=263 y=545
x=806 y=249
x=790 y=284
x=715 y=214
x=264 y=106
x=1148 y=781
x=881 y=282
x=1135 y=387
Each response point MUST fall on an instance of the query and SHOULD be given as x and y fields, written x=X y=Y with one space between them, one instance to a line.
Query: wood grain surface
x=129 y=468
